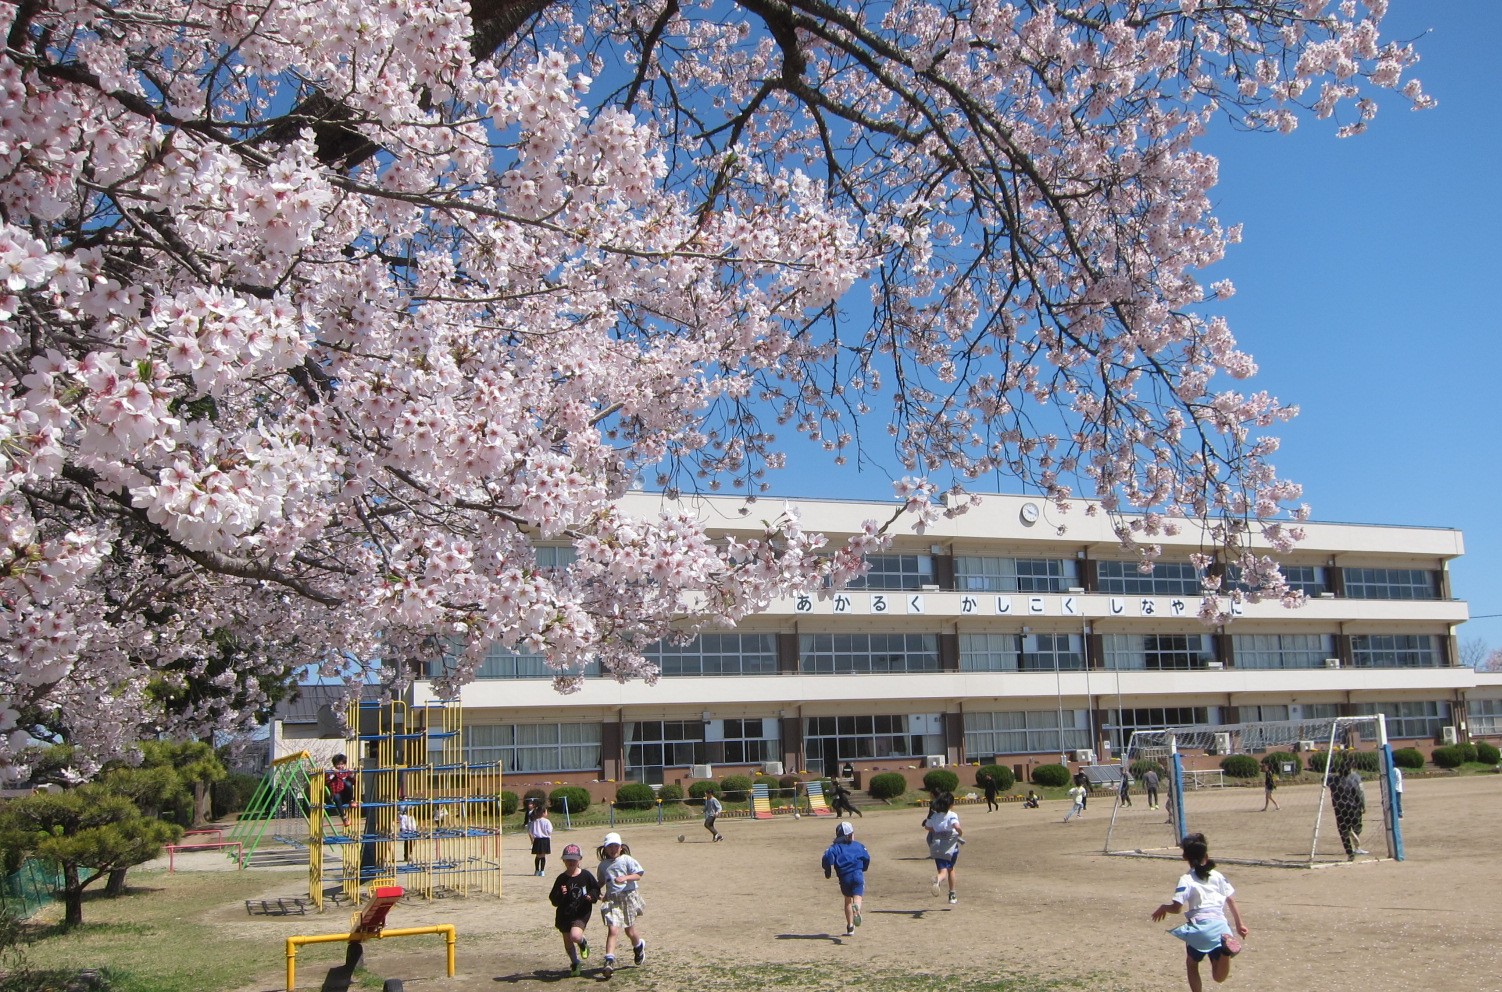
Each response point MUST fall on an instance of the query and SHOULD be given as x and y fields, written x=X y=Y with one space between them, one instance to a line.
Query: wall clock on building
x=1029 y=513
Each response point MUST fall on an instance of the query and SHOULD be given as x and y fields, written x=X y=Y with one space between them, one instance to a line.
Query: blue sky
x=1361 y=292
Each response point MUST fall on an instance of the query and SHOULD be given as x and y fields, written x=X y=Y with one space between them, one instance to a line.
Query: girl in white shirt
x=1204 y=896
x=944 y=840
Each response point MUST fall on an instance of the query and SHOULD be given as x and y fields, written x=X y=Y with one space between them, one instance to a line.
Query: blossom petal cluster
x=319 y=320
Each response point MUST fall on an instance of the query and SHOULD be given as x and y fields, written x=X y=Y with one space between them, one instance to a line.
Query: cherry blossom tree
x=319 y=317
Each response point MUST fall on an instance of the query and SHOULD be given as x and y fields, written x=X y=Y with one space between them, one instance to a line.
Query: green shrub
x=789 y=783
x=1488 y=753
x=1363 y=761
x=1240 y=766
x=510 y=801
x=1467 y=751
x=672 y=792
x=232 y=793
x=1408 y=757
x=1142 y=766
x=633 y=795
x=1447 y=757
x=887 y=785
x=540 y=795
x=1277 y=759
x=577 y=796
x=1003 y=777
x=697 y=791
x=737 y=788
x=1051 y=775
x=941 y=780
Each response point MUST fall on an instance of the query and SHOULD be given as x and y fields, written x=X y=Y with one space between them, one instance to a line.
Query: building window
x=1395 y=651
x=896 y=572
x=555 y=557
x=1157 y=652
x=545 y=747
x=1282 y=650
x=829 y=741
x=1022 y=653
x=839 y=654
x=1310 y=580
x=717 y=654
x=976 y=574
x=503 y=663
x=1168 y=578
x=652 y=746
x=989 y=652
x=1416 y=720
x=1485 y=717
x=1262 y=714
x=1156 y=718
x=1391 y=583
x=1025 y=732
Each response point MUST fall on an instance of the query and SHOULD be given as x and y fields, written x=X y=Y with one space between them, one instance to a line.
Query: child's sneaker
x=574 y=970
x=1231 y=944
x=934 y=888
x=609 y=968
x=584 y=949
x=640 y=952
x=954 y=897
x=850 y=931
x=857 y=916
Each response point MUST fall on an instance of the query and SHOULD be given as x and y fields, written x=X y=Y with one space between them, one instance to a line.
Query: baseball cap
x=572 y=853
x=845 y=829
x=611 y=838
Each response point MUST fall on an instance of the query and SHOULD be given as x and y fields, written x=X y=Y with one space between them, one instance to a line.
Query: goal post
x=1332 y=796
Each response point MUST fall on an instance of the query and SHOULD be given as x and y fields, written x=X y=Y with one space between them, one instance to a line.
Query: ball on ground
x=680 y=838
x=797 y=817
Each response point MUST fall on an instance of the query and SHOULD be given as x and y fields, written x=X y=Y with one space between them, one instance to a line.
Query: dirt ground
x=1039 y=904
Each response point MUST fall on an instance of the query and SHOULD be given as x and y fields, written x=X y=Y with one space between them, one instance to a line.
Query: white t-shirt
x=1078 y=795
x=611 y=870
x=1203 y=900
x=943 y=842
x=540 y=828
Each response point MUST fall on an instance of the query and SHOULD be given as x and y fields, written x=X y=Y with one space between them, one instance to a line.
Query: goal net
x=1331 y=800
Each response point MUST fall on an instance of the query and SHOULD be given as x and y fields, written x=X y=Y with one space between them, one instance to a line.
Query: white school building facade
x=1010 y=634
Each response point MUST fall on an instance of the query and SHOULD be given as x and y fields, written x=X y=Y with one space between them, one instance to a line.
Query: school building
x=1011 y=634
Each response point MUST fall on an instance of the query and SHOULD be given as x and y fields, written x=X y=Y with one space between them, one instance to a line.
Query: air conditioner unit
x=1222 y=743
x=701 y=771
x=1077 y=590
x=1447 y=735
x=1332 y=662
x=1326 y=595
x=1215 y=666
x=933 y=761
x=771 y=768
x=1085 y=756
x=1304 y=746
x=929 y=587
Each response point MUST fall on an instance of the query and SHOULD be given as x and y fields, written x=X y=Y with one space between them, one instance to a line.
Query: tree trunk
x=202 y=804
x=72 y=896
x=116 y=884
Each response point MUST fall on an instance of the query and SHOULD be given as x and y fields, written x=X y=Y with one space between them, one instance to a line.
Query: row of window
x=654 y=745
x=976 y=573
x=735 y=654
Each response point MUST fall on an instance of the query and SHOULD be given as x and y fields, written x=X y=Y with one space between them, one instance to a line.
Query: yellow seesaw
x=369 y=923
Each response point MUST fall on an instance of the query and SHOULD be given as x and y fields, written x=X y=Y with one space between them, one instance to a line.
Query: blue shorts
x=852 y=886
x=944 y=864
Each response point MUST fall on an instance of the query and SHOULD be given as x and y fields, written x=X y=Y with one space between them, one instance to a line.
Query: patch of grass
x=155 y=938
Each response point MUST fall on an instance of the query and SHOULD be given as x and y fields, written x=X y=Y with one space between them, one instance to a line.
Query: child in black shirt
x=574 y=893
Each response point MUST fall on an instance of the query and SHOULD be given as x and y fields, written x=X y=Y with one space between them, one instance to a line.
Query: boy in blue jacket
x=848 y=858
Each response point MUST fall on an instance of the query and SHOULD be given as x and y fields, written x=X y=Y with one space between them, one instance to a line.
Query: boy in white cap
x=618 y=874
x=848 y=858
x=573 y=895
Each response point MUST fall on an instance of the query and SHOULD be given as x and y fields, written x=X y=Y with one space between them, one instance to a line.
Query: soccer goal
x=1332 y=800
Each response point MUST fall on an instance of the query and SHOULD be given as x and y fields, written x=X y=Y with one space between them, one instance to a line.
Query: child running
x=944 y=840
x=1204 y=896
x=1077 y=796
x=618 y=873
x=712 y=811
x=848 y=858
x=540 y=829
x=573 y=895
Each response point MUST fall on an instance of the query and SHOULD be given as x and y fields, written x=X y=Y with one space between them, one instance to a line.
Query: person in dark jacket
x=573 y=896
